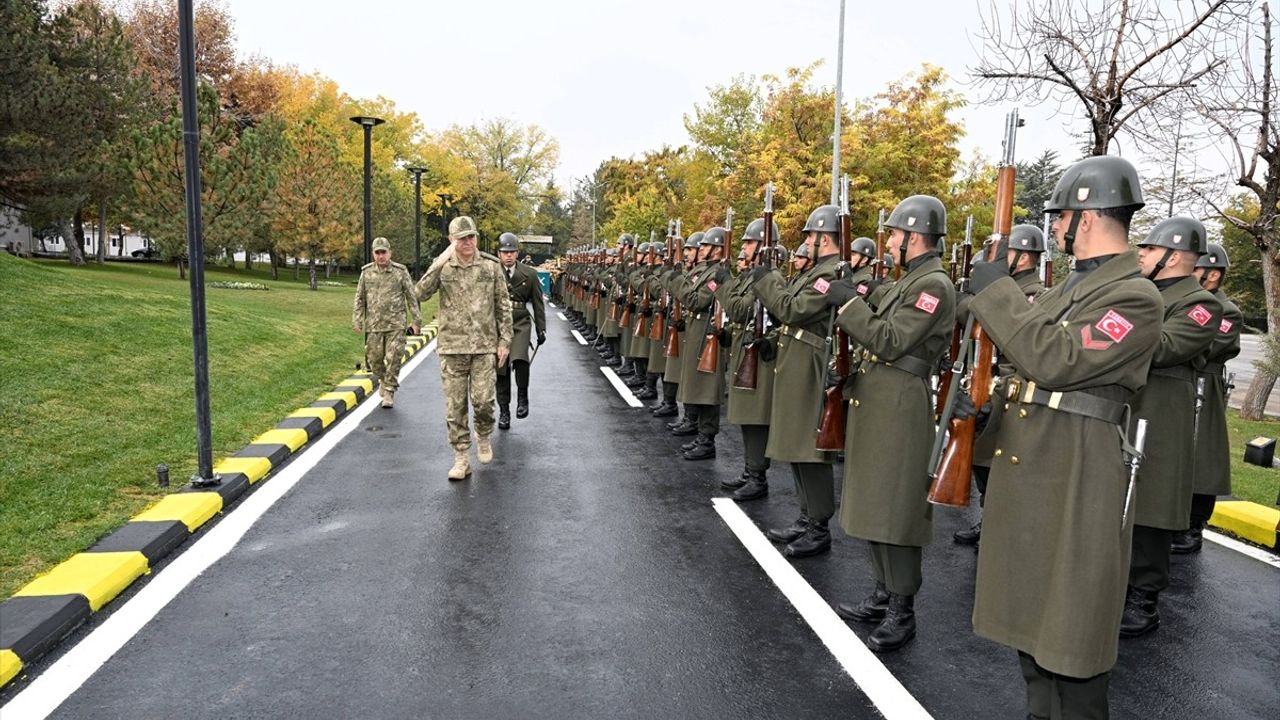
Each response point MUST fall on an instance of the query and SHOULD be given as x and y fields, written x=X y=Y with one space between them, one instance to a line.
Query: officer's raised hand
x=985 y=273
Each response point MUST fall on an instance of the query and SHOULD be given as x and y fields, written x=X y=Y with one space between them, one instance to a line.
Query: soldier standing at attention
x=701 y=392
x=475 y=338
x=1057 y=522
x=800 y=379
x=383 y=297
x=528 y=321
x=637 y=346
x=1213 y=453
x=1162 y=501
x=891 y=423
x=677 y=282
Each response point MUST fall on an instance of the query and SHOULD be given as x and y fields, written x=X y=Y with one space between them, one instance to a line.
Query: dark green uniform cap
x=644 y=248
x=693 y=241
x=924 y=214
x=659 y=247
x=1026 y=238
x=714 y=236
x=508 y=242
x=824 y=219
x=1214 y=258
x=755 y=231
x=1097 y=183
x=1178 y=233
x=626 y=239
x=864 y=246
x=803 y=251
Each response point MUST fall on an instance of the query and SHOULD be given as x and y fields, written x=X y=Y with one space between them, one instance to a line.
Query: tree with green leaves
x=1036 y=179
x=315 y=205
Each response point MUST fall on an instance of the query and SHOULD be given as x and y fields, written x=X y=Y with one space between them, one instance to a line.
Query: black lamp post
x=368 y=123
x=417 y=219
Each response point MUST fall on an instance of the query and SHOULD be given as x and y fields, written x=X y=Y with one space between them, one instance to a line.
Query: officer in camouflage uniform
x=891 y=426
x=1057 y=525
x=1162 y=505
x=1213 y=453
x=528 y=325
x=383 y=297
x=474 y=338
x=800 y=378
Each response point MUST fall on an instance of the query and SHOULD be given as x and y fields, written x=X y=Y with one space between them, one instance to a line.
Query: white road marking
x=620 y=386
x=60 y=680
x=562 y=317
x=873 y=678
x=1251 y=551
x=578 y=336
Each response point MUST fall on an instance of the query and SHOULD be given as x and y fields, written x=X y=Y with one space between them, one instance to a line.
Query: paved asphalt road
x=1242 y=366
x=585 y=574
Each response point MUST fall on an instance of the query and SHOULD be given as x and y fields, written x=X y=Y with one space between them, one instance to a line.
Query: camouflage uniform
x=383 y=297
x=474 y=321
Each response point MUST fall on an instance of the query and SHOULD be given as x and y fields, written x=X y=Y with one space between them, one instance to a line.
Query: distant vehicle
x=148 y=253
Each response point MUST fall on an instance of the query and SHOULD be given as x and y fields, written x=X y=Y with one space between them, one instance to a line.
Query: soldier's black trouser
x=816 y=485
x=1202 y=509
x=980 y=475
x=707 y=418
x=898 y=567
x=1149 y=567
x=755 y=438
x=520 y=369
x=1050 y=695
x=669 y=390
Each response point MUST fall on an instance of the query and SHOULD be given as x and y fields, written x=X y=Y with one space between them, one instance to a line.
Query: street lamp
x=368 y=123
x=417 y=219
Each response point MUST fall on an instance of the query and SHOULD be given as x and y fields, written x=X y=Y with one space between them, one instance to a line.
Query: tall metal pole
x=195 y=244
x=835 y=140
x=417 y=219
x=445 y=198
x=368 y=123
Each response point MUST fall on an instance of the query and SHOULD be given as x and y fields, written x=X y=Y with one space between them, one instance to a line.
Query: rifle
x=658 y=326
x=959 y=331
x=831 y=405
x=709 y=356
x=672 y=349
x=642 y=325
x=625 y=320
x=1231 y=385
x=952 y=476
x=1048 y=254
x=744 y=378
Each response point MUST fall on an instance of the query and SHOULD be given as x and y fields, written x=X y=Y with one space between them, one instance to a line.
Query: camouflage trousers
x=468 y=375
x=383 y=352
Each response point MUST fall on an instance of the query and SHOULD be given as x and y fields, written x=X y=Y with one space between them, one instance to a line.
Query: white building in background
x=16 y=237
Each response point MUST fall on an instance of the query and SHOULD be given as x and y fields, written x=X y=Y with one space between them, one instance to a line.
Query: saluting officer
x=701 y=391
x=1057 y=522
x=1162 y=500
x=800 y=379
x=891 y=426
x=528 y=324
x=383 y=296
x=1213 y=453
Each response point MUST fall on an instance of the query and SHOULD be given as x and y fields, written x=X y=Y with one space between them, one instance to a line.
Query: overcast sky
x=613 y=78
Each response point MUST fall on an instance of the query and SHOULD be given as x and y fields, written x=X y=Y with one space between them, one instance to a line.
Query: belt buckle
x=1013 y=389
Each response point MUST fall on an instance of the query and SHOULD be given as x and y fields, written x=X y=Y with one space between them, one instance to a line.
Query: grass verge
x=1250 y=482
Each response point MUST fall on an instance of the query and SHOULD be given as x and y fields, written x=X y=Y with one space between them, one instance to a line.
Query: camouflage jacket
x=383 y=297
x=475 y=311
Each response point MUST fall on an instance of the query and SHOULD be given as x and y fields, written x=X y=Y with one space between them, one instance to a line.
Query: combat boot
x=970 y=536
x=626 y=369
x=666 y=410
x=685 y=429
x=790 y=533
x=686 y=447
x=735 y=483
x=871 y=609
x=636 y=381
x=1188 y=541
x=757 y=487
x=683 y=420
x=898 y=626
x=815 y=541
x=461 y=469
x=704 y=449
x=484 y=450
x=1141 y=613
x=522 y=403
x=650 y=387
x=504 y=417
x=388 y=398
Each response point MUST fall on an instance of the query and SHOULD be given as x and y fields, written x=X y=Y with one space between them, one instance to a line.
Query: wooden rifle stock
x=672 y=349
x=957 y=332
x=745 y=377
x=709 y=358
x=832 y=420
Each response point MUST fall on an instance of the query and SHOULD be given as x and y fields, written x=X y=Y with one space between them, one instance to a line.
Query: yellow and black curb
x=1250 y=521
x=47 y=609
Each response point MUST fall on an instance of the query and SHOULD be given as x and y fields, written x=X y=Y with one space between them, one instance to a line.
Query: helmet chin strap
x=1164 y=260
x=1069 y=238
x=902 y=250
x=1017 y=258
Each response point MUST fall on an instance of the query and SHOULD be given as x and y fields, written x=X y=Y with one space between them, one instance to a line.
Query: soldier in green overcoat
x=676 y=282
x=891 y=428
x=1057 y=524
x=528 y=325
x=636 y=347
x=1162 y=504
x=799 y=380
x=659 y=309
x=1213 y=454
x=701 y=392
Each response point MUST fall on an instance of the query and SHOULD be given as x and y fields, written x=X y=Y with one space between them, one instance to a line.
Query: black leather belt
x=906 y=363
x=1214 y=368
x=1075 y=402
x=811 y=339
x=1177 y=372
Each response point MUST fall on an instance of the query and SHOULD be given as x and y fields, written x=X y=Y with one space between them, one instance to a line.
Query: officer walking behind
x=474 y=339
x=383 y=296
x=800 y=379
x=1213 y=453
x=891 y=426
x=1162 y=502
x=1057 y=522
x=528 y=321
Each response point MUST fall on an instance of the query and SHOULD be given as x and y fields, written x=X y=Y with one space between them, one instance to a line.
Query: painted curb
x=47 y=609
x=1250 y=521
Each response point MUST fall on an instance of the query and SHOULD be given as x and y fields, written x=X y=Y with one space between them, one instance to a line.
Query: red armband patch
x=821 y=285
x=1200 y=314
x=927 y=302
x=1225 y=326
x=712 y=285
x=1114 y=325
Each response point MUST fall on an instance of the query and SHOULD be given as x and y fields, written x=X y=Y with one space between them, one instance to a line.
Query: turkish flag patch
x=1114 y=325
x=821 y=285
x=712 y=285
x=1225 y=326
x=862 y=288
x=927 y=302
x=1200 y=314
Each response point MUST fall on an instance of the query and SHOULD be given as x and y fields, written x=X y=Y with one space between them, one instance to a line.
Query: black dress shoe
x=756 y=489
x=705 y=449
x=815 y=541
x=522 y=408
x=1141 y=613
x=870 y=609
x=898 y=626
x=504 y=418
x=1187 y=541
x=735 y=483
x=784 y=535
x=969 y=536
x=665 y=410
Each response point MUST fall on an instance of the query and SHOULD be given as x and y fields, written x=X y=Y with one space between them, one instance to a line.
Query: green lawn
x=1250 y=482
x=97 y=388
